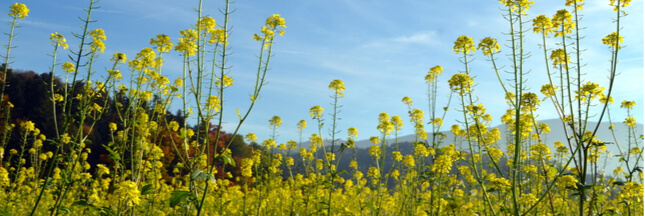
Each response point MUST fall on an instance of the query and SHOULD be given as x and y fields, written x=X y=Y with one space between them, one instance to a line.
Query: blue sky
x=380 y=49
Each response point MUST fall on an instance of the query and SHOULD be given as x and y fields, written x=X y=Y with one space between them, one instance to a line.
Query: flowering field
x=109 y=146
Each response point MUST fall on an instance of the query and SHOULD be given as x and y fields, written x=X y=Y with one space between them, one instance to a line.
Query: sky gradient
x=380 y=49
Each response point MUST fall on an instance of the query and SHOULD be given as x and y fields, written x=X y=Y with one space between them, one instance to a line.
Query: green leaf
x=619 y=183
x=82 y=203
x=201 y=175
x=177 y=197
x=147 y=189
x=227 y=160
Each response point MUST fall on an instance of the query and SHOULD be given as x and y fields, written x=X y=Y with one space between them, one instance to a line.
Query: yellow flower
x=578 y=3
x=407 y=101
x=375 y=151
x=375 y=140
x=338 y=86
x=562 y=23
x=247 y=167
x=613 y=40
x=373 y=172
x=188 y=43
x=353 y=164
x=98 y=35
x=68 y=67
x=228 y=81
x=464 y=44
x=213 y=103
x=433 y=73
x=162 y=43
x=559 y=57
x=461 y=83
x=275 y=121
x=28 y=126
x=64 y=138
x=627 y=104
x=4 y=177
x=489 y=46
x=206 y=23
x=316 y=111
x=396 y=155
x=385 y=126
x=548 y=90
x=112 y=126
x=19 y=11
x=397 y=122
x=276 y=21
x=58 y=40
x=128 y=192
x=630 y=121
x=218 y=36
x=250 y=137
x=408 y=161
x=566 y=181
x=542 y=24
x=589 y=90
x=395 y=174
x=302 y=124
x=624 y=3
x=352 y=132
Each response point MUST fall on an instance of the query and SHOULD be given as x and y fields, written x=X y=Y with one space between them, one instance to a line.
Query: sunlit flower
x=213 y=103
x=128 y=192
x=577 y=3
x=559 y=57
x=433 y=73
x=352 y=132
x=19 y=11
x=407 y=101
x=464 y=44
x=28 y=126
x=630 y=121
x=228 y=81
x=68 y=67
x=548 y=90
x=338 y=86
x=316 y=111
x=275 y=121
x=627 y=104
x=613 y=40
x=58 y=40
x=162 y=43
x=98 y=36
x=542 y=24
x=562 y=23
x=489 y=46
x=621 y=3
x=461 y=83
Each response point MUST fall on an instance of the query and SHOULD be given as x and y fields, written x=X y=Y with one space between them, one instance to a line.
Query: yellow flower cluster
x=316 y=111
x=19 y=11
x=433 y=73
x=338 y=86
x=489 y=46
x=275 y=121
x=464 y=44
x=542 y=24
x=461 y=83
x=613 y=40
x=559 y=57
x=562 y=23
x=57 y=39
x=98 y=36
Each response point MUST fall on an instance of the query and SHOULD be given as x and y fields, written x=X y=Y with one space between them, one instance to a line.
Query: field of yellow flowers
x=476 y=173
